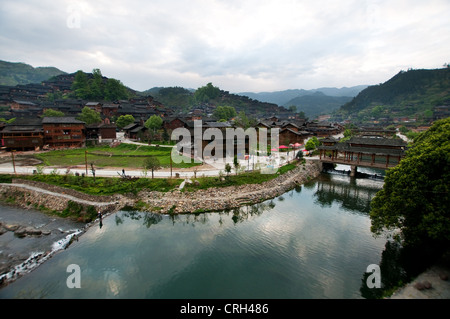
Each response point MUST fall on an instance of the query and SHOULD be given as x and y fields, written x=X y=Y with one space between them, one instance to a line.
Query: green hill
x=412 y=93
x=20 y=73
x=318 y=103
x=207 y=98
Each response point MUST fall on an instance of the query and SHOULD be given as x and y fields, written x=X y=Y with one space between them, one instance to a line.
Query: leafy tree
x=89 y=116
x=224 y=113
x=96 y=85
x=152 y=163
x=97 y=88
x=302 y=115
x=52 y=113
x=115 y=90
x=124 y=120
x=154 y=123
x=293 y=108
x=243 y=121
x=236 y=164
x=206 y=93
x=312 y=143
x=80 y=85
x=228 y=168
x=415 y=196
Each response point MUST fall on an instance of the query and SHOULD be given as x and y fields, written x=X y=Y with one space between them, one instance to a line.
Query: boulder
x=11 y=227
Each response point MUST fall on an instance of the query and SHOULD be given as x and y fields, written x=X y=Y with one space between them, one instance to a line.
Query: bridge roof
x=345 y=147
x=376 y=141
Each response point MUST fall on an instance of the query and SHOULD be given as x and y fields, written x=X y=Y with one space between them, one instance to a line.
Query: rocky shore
x=35 y=195
x=46 y=234
x=222 y=198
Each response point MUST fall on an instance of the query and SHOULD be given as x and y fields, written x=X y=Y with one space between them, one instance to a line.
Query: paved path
x=69 y=197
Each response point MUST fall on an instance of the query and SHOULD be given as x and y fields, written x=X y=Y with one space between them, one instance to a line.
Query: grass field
x=124 y=156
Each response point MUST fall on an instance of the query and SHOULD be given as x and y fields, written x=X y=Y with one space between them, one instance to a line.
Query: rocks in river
x=27 y=231
x=22 y=231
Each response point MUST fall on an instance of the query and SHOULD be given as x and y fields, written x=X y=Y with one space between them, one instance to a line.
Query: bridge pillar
x=353 y=170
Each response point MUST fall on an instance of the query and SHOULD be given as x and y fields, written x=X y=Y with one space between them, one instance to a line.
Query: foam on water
x=37 y=258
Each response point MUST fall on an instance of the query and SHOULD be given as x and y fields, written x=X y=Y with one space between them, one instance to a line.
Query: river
x=312 y=242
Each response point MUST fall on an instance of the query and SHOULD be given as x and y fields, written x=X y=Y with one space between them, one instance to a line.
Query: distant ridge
x=15 y=73
x=283 y=97
x=414 y=93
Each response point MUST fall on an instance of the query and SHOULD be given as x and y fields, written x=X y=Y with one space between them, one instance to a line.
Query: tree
x=206 y=93
x=115 y=90
x=243 y=121
x=124 y=120
x=152 y=163
x=236 y=164
x=89 y=116
x=415 y=197
x=224 y=113
x=96 y=85
x=228 y=168
x=80 y=85
x=52 y=113
x=312 y=143
x=293 y=108
x=154 y=123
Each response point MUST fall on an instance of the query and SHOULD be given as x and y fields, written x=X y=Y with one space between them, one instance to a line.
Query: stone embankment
x=30 y=194
x=222 y=198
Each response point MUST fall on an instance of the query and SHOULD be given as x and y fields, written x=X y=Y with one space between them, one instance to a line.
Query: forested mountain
x=284 y=97
x=318 y=103
x=20 y=73
x=206 y=99
x=412 y=93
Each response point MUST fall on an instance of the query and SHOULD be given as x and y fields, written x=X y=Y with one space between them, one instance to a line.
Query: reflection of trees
x=148 y=218
x=244 y=213
x=398 y=266
x=238 y=215
x=351 y=196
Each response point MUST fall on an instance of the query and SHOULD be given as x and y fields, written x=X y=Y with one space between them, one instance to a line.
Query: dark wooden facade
x=64 y=132
x=23 y=136
x=361 y=151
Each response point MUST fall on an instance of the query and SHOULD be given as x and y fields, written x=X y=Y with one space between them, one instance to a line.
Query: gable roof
x=61 y=120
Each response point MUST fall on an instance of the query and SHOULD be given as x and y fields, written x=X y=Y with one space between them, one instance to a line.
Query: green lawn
x=124 y=156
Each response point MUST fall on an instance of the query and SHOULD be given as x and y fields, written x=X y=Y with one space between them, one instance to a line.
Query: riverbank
x=46 y=203
x=36 y=195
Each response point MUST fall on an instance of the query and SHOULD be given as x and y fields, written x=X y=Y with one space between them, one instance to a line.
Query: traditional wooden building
x=23 y=135
x=103 y=132
x=63 y=132
x=291 y=136
x=363 y=151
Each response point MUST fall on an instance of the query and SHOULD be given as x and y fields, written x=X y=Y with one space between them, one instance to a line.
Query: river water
x=312 y=242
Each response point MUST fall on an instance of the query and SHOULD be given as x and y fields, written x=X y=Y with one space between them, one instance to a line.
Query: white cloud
x=247 y=45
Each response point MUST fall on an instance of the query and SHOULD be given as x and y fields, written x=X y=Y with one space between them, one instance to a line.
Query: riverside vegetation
x=161 y=194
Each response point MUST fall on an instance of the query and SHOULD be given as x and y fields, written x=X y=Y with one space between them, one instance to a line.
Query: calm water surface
x=312 y=242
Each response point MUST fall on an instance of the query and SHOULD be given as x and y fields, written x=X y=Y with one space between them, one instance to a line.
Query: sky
x=238 y=45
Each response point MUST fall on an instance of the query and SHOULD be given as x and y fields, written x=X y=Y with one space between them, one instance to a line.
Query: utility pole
x=13 y=161
x=170 y=164
x=85 y=160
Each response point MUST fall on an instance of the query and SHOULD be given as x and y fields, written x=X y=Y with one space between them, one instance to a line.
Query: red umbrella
x=297 y=145
x=283 y=146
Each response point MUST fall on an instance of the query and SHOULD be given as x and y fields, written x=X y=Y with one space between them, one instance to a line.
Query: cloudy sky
x=238 y=45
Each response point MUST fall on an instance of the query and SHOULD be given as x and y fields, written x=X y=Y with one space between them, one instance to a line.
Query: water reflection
x=352 y=194
x=238 y=215
x=299 y=245
x=148 y=218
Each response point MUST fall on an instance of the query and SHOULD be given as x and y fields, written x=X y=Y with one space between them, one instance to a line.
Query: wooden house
x=63 y=132
x=23 y=135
